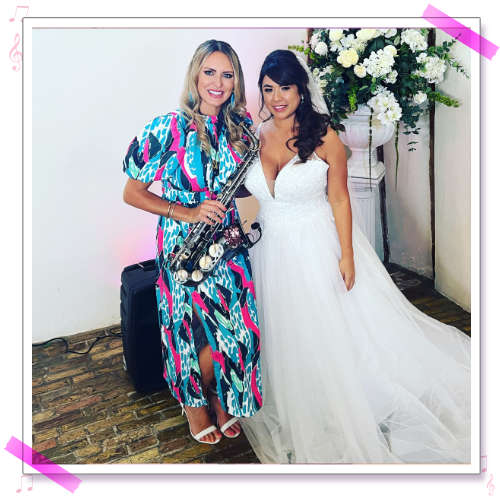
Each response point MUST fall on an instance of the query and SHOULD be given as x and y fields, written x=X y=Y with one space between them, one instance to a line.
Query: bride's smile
x=280 y=100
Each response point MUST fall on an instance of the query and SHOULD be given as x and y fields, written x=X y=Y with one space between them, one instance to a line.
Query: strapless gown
x=348 y=377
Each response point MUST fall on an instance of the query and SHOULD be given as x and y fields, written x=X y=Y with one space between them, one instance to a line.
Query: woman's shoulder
x=330 y=139
x=167 y=119
x=331 y=144
x=174 y=122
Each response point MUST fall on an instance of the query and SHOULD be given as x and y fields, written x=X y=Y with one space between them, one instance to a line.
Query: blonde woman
x=210 y=335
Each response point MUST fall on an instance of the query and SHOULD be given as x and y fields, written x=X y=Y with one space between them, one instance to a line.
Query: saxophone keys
x=181 y=276
x=196 y=275
x=206 y=263
x=216 y=250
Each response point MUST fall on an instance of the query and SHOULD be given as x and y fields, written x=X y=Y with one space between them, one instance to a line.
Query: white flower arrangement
x=379 y=63
x=350 y=41
x=391 y=77
x=321 y=48
x=366 y=34
x=388 y=33
x=314 y=40
x=434 y=68
x=391 y=70
x=352 y=65
x=420 y=97
x=385 y=106
x=414 y=39
x=360 y=71
x=335 y=35
x=348 y=58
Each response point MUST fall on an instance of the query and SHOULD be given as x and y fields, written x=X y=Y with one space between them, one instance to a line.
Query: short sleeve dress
x=168 y=150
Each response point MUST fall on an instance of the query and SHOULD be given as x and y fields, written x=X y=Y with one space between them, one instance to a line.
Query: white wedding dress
x=348 y=377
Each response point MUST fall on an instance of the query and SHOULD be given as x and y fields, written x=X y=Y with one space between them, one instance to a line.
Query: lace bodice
x=299 y=189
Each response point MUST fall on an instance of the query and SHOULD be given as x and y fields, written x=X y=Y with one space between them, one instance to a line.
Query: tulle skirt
x=350 y=377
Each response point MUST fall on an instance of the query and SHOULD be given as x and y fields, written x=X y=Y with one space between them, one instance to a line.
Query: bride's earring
x=302 y=99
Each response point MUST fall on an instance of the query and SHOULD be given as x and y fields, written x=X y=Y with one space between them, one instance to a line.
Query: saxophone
x=206 y=245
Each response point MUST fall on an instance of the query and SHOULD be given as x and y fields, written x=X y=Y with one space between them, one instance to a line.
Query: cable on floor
x=108 y=333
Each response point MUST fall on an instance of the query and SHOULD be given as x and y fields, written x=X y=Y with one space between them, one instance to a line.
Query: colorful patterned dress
x=167 y=150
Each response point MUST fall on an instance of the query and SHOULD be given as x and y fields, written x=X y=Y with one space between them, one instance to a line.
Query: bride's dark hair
x=283 y=68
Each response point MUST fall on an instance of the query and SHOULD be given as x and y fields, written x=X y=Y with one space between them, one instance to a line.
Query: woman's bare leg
x=199 y=417
x=207 y=375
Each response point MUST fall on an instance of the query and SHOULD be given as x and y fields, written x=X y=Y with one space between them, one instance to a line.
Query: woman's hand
x=209 y=211
x=346 y=266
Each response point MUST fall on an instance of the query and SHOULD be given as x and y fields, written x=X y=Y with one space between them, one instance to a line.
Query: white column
x=365 y=198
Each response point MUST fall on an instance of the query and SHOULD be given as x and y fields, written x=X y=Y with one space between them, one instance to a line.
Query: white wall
x=452 y=180
x=408 y=205
x=93 y=90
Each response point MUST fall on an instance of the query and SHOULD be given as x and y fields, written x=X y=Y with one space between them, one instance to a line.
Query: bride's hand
x=346 y=266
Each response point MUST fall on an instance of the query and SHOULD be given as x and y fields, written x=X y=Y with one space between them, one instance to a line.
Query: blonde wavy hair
x=190 y=99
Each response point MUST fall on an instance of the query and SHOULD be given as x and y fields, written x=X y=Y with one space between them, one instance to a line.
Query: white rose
x=335 y=35
x=359 y=71
x=390 y=49
x=390 y=33
x=321 y=48
x=348 y=58
x=314 y=40
x=420 y=97
x=366 y=34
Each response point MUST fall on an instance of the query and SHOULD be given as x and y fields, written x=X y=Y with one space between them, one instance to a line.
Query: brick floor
x=85 y=409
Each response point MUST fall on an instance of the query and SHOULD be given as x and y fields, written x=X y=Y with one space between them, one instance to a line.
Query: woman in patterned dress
x=210 y=335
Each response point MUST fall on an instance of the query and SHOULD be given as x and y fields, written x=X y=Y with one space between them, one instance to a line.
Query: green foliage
x=443 y=99
x=352 y=98
x=344 y=91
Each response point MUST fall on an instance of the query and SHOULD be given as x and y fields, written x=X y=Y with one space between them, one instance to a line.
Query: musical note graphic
x=12 y=19
x=485 y=468
x=490 y=486
x=30 y=481
x=15 y=55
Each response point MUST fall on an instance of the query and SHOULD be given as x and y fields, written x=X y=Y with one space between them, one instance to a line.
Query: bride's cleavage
x=271 y=183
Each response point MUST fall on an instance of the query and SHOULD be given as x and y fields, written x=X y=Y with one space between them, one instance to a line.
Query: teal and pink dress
x=168 y=150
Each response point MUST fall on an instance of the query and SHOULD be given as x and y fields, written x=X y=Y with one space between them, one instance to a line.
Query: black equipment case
x=142 y=350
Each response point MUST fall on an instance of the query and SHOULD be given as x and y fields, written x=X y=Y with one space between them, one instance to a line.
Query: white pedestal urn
x=364 y=183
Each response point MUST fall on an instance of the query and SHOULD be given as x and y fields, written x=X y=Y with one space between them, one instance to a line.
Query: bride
x=352 y=372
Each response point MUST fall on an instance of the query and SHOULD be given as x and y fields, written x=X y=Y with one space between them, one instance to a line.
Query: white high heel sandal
x=202 y=433
x=229 y=423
